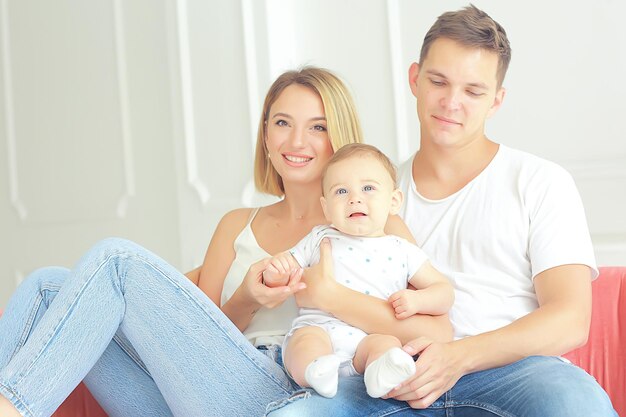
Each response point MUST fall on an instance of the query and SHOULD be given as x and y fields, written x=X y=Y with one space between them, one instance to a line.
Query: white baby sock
x=388 y=371
x=323 y=375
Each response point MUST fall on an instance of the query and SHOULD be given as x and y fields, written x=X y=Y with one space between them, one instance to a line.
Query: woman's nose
x=297 y=137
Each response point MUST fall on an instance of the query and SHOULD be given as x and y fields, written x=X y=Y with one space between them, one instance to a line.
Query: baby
x=359 y=194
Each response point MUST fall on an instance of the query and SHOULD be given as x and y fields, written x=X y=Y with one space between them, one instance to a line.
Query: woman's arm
x=194 y=275
x=251 y=294
x=217 y=261
x=371 y=314
x=396 y=226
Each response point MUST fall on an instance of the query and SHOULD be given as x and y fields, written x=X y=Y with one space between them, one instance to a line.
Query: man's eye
x=474 y=93
x=437 y=82
x=341 y=191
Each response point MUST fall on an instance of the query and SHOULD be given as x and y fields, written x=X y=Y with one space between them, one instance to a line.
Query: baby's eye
x=341 y=191
x=368 y=188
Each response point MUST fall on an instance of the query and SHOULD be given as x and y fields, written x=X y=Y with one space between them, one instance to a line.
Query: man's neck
x=441 y=171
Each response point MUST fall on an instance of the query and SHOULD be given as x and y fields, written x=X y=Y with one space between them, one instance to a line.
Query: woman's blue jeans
x=149 y=343
x=146 y=340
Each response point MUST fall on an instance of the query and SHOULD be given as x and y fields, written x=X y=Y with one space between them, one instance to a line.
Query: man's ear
x=396 y=201
x=414 y=71
x=323 y=202
x=497 y=101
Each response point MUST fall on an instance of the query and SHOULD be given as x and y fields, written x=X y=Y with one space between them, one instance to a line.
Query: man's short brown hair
x=473 y=28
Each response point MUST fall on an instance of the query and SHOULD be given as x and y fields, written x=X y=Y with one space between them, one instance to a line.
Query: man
x=508 y=229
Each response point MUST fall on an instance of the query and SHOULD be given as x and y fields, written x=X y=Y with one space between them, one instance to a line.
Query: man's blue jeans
x=537 y=386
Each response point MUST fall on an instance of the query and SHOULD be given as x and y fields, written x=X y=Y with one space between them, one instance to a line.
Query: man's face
x=456 y=90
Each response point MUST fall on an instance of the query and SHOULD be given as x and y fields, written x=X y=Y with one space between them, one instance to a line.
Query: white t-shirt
x=377 y=266
x=519 y=217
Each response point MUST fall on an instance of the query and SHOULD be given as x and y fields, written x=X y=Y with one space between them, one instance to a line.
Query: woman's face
x=296 y=136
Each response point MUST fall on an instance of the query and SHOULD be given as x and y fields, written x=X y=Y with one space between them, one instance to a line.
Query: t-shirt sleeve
x=558 y=233
x=306 y=252
x=415 y=259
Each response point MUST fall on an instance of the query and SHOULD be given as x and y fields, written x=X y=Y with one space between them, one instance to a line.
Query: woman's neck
x=302 y=202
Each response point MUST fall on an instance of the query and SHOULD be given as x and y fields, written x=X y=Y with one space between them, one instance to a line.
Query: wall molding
x=120 y=51
x=189 y=128
x=9 y=116
x=124 y=103
x=398 y=83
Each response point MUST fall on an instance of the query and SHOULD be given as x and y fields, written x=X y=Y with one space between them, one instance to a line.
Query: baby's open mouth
x=358 y=214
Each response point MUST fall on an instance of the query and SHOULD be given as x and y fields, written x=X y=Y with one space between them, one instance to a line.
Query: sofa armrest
x=604 y=355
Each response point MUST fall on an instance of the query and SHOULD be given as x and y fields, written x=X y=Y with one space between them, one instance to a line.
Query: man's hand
x=320 y=280
x=437 y=369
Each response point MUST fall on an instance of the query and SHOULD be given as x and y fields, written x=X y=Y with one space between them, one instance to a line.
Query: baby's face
x=359 y=195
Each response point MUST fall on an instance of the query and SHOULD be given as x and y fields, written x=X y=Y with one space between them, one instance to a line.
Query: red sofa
x=604 y=355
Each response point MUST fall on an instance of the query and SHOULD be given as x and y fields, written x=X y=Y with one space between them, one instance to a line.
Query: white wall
x=138 y=118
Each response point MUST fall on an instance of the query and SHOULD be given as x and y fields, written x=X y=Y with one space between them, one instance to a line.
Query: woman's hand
x=320 y=281
x=263 y=296
x=437 y=369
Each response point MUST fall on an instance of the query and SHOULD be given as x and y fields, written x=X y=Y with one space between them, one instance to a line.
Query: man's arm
x=560 y=324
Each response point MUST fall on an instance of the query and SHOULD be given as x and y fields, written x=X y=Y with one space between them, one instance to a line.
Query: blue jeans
x=146 y=340
x=537 y=386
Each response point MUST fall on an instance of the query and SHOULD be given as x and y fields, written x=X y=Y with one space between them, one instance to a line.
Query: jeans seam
x=131 y=354
x=452 y=405
x=28 y=328
x=63 y=319
x=29 y=323
x=21 y=404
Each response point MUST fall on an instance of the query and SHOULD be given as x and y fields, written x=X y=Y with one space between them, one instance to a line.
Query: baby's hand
x=280 y=269
x=405 y=303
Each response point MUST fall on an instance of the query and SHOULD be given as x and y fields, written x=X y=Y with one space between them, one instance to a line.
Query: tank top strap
x=252 y=215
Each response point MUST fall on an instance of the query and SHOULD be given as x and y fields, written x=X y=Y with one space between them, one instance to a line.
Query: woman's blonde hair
x=342 y=121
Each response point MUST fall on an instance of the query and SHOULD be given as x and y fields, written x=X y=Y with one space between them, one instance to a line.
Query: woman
x=148 y=341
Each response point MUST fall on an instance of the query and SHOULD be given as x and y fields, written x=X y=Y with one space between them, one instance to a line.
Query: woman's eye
x=368 y=188
x=341 y=191
x=319 y=128
x=281 y=123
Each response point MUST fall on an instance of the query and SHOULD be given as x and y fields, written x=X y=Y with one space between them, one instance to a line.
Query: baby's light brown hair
x=361 y=150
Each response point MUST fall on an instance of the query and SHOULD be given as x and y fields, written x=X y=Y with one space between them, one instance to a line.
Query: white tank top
x=268 y=326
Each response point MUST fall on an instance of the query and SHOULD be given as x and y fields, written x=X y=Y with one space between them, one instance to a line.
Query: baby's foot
x=323 y=375
x=388 y=371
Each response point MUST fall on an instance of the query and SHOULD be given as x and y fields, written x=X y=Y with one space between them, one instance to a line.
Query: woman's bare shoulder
x=236 y=220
